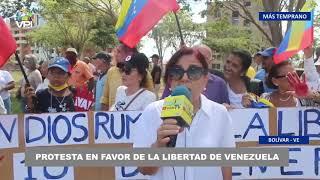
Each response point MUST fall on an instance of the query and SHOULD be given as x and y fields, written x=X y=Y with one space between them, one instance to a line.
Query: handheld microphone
x=178 y=106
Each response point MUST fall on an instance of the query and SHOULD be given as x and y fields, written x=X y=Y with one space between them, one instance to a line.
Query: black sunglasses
x=126 y=69
x=193 y=72
x=278 y=77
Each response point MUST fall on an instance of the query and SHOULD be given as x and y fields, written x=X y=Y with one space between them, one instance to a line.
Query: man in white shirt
x=2 y=108
x=6 y=84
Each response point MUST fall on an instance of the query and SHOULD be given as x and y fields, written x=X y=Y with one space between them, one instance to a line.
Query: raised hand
x=300 y=86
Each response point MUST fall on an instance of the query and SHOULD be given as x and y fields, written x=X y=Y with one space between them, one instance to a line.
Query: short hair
x=245 y=58
x=32 y=59
x=183 y=52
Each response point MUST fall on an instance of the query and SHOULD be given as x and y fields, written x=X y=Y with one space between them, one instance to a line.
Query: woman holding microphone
x=211 y=125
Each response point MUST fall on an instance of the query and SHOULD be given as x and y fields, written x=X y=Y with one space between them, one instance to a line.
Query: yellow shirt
x=251 y=73
x=113 y=81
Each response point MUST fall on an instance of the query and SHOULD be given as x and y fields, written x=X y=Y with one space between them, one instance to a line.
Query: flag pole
x=179 y=28
x=22 y=69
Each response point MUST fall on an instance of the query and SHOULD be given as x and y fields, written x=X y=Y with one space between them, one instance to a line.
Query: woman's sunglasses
x=193 y=72
x=126 y=69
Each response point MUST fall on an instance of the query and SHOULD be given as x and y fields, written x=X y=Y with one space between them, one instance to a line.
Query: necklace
x=62 y=106
x=284 y=100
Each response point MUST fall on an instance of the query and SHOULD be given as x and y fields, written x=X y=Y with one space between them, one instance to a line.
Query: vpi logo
x=23 y=18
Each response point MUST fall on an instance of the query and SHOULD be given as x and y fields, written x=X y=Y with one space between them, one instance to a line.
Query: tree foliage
x=275 y=27
x=9 y=7
x=166 y=33
x=69 y=24
x=223 y=37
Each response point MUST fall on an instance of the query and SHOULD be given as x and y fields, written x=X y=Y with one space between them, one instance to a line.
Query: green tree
x=48 y=37
x=275 y=27
x=166 y=33
x=224 y=37
x=104 y=33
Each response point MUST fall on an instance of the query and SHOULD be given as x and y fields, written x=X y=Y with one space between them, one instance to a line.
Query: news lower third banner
x=57 y=156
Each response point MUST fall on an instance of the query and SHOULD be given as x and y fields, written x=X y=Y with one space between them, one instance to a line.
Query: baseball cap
x=103 y=56
x=137 y=60
x=155 y=56
x=72 y=50
x=268 y=52
x=60 y=62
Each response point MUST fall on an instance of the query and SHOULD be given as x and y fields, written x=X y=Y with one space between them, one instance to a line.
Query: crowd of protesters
x=94 y=83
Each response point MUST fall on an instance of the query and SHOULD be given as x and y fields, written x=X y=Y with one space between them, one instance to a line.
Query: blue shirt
x=99 y=91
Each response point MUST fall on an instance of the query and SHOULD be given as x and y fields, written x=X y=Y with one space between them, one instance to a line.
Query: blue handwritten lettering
x=128 y=174
x=251 y=126
x=113 y=129
x=316 y=160
x=84 y=129
x=8 y=135
x=307 y=121
x=132 y=120
x=49 y=176
x=263 y=169
x=102 y=124
x=280 y=119
x=27 y=129
x=291 y=173
x=54 y=129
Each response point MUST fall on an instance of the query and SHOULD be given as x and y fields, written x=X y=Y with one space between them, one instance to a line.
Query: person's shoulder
x=149 y=94
x=121 y=88
x=217 y=78
x=212 y=106
x=113 y=70
x=43 y=93
x=155 y=106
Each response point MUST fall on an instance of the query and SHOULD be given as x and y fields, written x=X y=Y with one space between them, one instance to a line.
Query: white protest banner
x=22 y=172
x=9 y=131
x=249 y=124
x=299 y=122
x=56 y=129
x=304 y=162
x=115 y=127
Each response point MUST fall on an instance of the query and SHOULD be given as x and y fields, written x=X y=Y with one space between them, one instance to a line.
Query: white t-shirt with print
x=5 y=78
x=122 y=100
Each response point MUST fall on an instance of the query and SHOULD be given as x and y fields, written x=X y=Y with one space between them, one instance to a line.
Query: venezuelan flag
x=138 y=17
x=298 y=37
x=7 y=43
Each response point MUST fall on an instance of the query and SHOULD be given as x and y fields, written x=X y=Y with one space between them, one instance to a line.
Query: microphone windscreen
x=181 y=90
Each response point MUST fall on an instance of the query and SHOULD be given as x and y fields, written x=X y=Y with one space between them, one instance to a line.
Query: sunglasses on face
x=193 y=72
x=281 y=76
x=126 y=69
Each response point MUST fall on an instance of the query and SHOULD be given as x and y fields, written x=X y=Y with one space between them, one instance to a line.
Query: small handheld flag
x=138 y=17
x=298 y=37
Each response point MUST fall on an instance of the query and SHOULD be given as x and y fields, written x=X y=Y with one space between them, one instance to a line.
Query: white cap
x=72 y=50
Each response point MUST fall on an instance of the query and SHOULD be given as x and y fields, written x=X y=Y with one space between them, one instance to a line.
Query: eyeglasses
x=280 y=76
x=126 y=69
x=193 y=72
